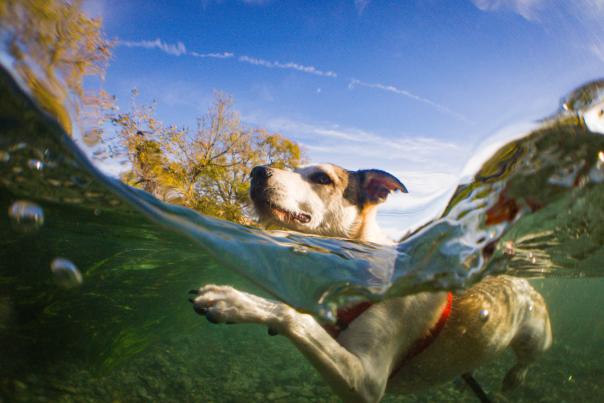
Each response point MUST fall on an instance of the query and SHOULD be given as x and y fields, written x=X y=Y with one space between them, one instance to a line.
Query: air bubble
x=327 y=314
x=36 y=165
x=65 y=273
x=594 y=118
x=26 y=216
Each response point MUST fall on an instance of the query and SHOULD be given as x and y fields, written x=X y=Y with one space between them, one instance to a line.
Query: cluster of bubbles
x=27 y=217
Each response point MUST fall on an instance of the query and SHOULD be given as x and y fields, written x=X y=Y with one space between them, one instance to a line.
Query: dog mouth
x=287 y=216
x=263 y=204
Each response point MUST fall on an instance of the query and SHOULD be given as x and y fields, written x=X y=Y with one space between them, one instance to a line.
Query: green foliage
x=206 y=168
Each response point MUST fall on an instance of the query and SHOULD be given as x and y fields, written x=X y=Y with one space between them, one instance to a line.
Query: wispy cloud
x=223 y=55
x=538 y=10
x=177 y=49
x=390 y=88
x=578 y=19
x=598 y=51
x=352 y=146
x=289 y=65
x=529 y=9
x=361 y=5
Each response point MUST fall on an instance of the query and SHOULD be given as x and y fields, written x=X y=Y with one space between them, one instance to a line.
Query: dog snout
x=259 y=182
x=261 y=173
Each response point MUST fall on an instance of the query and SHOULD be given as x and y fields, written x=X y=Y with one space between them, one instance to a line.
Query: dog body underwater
x=402 y=344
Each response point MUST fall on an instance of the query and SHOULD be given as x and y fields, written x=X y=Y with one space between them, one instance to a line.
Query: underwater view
x=96 y=266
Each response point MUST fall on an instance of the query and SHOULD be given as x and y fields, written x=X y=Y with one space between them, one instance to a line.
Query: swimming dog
x=402 y=344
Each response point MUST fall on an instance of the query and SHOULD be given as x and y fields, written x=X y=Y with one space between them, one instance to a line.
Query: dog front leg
x=344 y=371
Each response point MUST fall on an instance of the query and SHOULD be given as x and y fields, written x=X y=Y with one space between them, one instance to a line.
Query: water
x=93 y=275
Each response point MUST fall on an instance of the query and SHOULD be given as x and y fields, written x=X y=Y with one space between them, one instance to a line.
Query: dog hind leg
x=534 y=338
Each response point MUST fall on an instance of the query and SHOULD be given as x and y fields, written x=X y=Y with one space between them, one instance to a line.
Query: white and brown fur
x=366 y=358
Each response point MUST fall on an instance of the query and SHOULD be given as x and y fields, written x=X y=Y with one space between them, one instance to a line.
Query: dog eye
x=321 y=178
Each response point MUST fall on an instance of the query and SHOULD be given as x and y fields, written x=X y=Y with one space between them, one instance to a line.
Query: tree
x=205 y=169
x=54 y=45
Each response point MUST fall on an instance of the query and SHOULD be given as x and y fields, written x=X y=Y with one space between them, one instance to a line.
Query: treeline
x=55 y=45
x=205 y=168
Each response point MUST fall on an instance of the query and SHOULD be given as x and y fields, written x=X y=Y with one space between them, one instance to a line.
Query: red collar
x=423 y=343
x=347 y=315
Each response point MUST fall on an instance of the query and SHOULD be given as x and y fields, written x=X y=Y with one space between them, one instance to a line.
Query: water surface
x=110 y=321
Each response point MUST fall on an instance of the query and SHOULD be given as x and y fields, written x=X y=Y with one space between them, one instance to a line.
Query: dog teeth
x=280 y=214
x=284 y=215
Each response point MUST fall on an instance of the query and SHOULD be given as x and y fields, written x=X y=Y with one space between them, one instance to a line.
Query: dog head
x=322 y=199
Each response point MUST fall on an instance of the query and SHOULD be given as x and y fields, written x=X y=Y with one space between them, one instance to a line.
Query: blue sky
x=412 y=86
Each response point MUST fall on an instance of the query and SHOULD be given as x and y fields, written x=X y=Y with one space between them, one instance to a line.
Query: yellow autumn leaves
x=54 y=45
x=205 y=168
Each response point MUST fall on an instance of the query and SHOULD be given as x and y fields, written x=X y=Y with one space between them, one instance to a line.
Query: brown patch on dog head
x=342 y=178
x=367 y=189
x=341 y=173
x=367 y=214
x=352 y=192
x=336 y=180
x=376 y=185
x=329 y=175
x=366 y=225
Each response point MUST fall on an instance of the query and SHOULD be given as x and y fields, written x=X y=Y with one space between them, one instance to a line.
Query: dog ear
x=376 y=185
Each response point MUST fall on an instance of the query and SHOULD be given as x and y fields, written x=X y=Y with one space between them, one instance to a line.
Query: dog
x=402 y=344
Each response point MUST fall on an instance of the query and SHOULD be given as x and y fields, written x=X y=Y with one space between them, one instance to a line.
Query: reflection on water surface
x=93 y=274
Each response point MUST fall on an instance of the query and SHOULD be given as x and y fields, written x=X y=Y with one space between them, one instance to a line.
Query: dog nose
x=261 y=172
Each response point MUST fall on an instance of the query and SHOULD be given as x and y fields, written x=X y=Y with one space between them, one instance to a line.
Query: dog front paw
x=225 y=304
